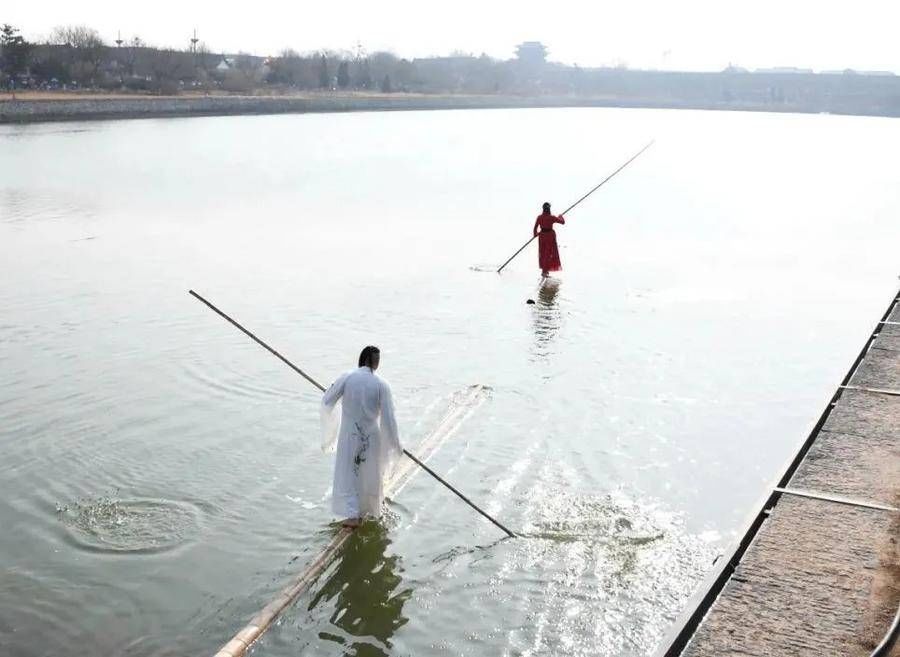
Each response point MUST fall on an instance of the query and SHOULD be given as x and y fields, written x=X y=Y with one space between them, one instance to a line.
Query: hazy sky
x=670 y=34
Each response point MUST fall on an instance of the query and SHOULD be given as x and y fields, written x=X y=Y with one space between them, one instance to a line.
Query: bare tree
x=130 y=54
x=167 y=66
x=287 y=68
x=381 y=64
x=204 y=58
x=85 y=47
x=247 y=67
x=205 y=62
x=362 y=74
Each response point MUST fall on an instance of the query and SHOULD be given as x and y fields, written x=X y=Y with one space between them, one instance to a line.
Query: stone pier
x=818 y=571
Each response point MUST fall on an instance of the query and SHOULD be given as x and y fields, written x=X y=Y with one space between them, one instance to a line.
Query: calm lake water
x=161 y=477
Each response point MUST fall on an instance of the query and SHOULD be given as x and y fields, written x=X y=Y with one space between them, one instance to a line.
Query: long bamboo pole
x=322 y=388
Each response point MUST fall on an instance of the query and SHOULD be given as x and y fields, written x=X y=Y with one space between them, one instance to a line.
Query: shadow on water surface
x=367 y=594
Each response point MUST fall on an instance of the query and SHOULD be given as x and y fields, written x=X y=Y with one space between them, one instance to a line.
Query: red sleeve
x=560 y=219
x=536 y=223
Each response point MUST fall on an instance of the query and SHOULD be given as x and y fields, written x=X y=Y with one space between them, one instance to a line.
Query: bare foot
x=350 y=523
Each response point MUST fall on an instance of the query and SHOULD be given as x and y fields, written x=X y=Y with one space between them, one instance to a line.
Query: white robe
x=358 y=414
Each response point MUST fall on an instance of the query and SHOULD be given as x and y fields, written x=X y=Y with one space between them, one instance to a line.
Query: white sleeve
x=330 y=413
x=391 y=447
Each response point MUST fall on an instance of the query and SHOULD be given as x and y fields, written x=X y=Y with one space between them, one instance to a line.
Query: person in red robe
x=548 y=252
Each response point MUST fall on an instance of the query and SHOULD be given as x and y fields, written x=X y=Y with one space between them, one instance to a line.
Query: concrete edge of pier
x=817 y=569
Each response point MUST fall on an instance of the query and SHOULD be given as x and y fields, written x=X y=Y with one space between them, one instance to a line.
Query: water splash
x=107 y=524
x=613 y=569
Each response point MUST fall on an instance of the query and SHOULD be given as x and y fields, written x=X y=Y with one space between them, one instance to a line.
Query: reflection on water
x=546 y=317
x=365 y=590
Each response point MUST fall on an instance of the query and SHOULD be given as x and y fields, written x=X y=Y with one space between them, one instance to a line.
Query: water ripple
x=134 y=526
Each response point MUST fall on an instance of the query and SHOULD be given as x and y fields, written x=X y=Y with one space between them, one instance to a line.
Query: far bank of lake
x=30 y=107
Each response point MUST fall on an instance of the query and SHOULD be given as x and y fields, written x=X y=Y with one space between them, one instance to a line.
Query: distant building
x=531 y=53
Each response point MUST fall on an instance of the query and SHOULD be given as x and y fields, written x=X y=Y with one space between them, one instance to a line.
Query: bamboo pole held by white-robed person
x=318 y=385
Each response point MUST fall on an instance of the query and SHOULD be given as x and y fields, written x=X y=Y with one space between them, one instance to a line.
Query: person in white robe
x=358 y=416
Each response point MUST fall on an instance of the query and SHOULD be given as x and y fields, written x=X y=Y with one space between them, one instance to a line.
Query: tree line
x=76 y=56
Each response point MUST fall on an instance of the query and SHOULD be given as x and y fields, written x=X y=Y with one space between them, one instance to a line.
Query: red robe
x=548 y=253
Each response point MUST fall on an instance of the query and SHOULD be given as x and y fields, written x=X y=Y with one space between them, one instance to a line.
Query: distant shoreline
x=37 y=107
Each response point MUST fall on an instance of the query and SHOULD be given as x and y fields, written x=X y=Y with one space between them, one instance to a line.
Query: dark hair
x=546 y=207
x=365 y=356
